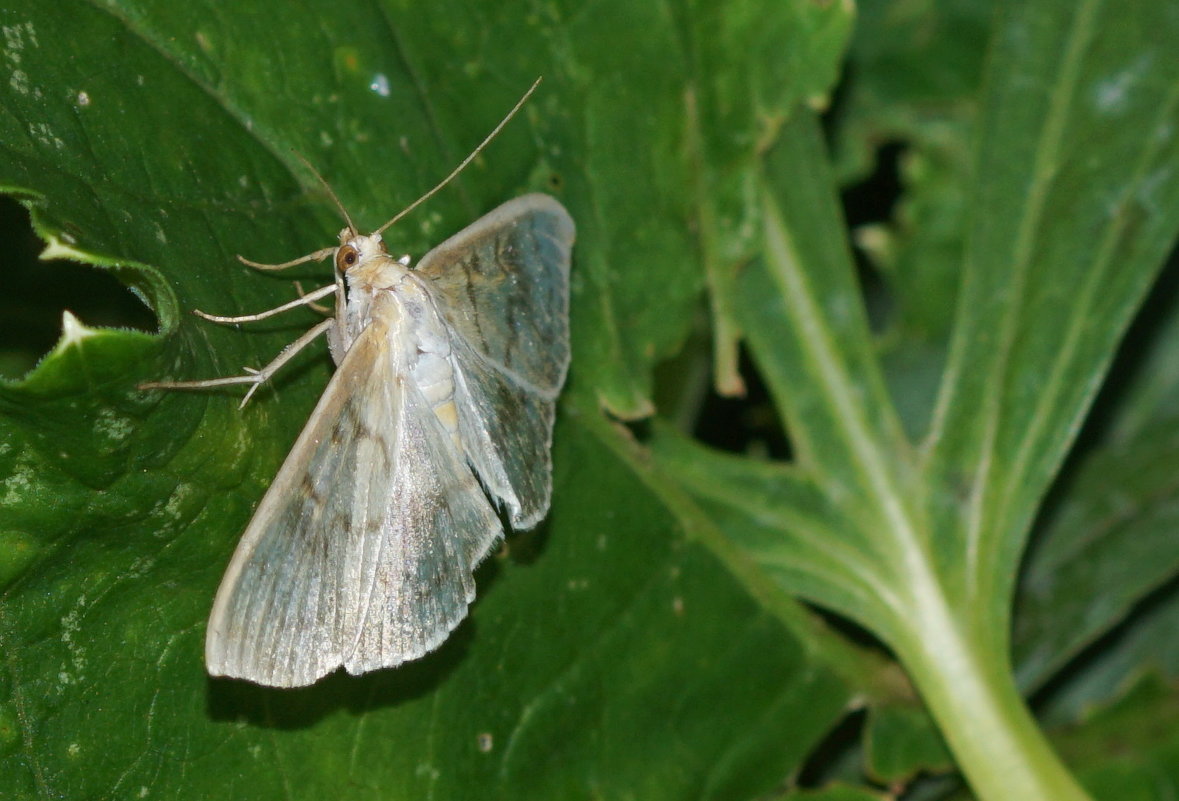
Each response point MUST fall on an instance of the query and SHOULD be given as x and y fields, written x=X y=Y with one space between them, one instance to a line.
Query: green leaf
x=607 y=655
x=1072 y=209
x=899 y=744
x=1131 y=748
x=1062 y=249
x=1141 y=645
x=1110 y=544
x=913 y=82
x=916 y=75
x=836 y=793
x=559 y=683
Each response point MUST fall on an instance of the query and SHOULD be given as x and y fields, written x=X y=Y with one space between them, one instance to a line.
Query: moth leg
x=315 y=307
x=305 y=300
x=255 y=378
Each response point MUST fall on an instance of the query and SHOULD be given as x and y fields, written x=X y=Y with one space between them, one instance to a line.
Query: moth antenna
x=486 y=141
x=319 y=254
x=330 y=191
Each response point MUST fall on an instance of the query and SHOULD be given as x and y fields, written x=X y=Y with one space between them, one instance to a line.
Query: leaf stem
x=972 y=695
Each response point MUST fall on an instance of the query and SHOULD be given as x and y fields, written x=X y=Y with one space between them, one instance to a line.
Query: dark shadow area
x=873 y=201
x=302 y=707
x=33 y=294
x=747 y=425
x=521 y=547
x=839 y=755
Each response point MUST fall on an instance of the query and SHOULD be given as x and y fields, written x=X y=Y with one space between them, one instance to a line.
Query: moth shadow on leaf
x=238 y=701
x=520 y=548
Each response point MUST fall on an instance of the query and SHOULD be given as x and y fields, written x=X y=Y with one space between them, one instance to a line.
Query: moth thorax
x=434 y=376
x=432 y=372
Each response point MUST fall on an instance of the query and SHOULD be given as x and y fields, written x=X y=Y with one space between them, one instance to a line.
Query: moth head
x=355 y=250
x=365 y=262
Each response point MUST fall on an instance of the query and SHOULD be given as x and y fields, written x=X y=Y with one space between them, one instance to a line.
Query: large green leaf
x=607 y=655
x=1073 y=213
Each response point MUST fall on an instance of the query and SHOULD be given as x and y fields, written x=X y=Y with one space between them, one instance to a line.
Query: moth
x=361 y=552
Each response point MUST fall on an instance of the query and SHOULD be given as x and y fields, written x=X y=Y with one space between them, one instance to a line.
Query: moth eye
x=346 y=257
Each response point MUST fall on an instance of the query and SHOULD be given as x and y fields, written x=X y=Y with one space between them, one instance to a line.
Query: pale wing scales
x=502 y=286
x=507 y=432
x=294 y=595
x=438 y=527
x=361 y=553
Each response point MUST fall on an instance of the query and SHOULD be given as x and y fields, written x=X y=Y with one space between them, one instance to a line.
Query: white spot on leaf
x=111 y=425
x=45 y=135
x=380 y=84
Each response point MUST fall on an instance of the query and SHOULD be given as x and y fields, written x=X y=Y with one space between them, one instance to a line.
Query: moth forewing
x=294 y=587
x=362 y=551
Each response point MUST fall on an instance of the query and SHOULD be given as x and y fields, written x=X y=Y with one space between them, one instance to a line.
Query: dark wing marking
x=502 y=286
